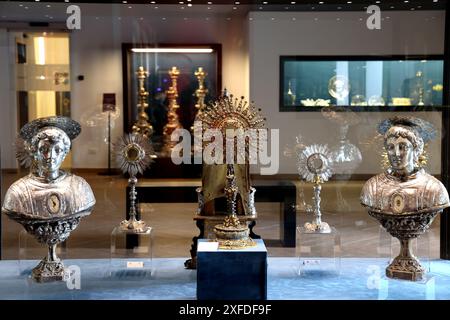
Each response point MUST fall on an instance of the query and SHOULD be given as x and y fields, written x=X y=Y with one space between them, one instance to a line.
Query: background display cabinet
x=393 y=83
x=157 y=61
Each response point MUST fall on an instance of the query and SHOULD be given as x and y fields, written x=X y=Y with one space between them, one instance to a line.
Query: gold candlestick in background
x=172 y=116
x=142 y=126
x=201 y=92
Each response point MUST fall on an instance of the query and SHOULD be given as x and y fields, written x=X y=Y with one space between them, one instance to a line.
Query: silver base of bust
x=406 y=227
x=313 y=227
x=48 y=271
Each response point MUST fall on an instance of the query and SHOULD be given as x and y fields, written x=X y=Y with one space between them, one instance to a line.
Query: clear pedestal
x=318 y=252
x=31 y=252
x=395 y=289
x=389 y=248
x=131 y=254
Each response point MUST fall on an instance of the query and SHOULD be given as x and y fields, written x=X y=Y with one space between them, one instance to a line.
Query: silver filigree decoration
x=134 y=153
x=315 y=162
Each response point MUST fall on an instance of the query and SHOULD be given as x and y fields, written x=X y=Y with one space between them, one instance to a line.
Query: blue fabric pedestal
x=232 y=274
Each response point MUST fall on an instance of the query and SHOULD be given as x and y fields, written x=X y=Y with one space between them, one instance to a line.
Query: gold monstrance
x=142 y=126
x=172 y=117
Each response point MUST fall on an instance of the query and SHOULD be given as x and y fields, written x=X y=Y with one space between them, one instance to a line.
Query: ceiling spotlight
x=181 y=2
x=129 y=7
x=209 y=2
x=435 y=0
x=292 y=2
x=406 y=1
x=265 y=2
x=156 y=7
x=189 y=4
x=349 y=2
x=48 y=6
x=124 y=2
x=320 y=2
x=153 y=2
x=377 y=1
x=237 y=2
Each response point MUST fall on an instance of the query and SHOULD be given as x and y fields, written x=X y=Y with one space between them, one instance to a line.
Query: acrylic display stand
x=390 y=289
x=131 y=254
x=31 y=252
x=389 y=248
x=318 y=252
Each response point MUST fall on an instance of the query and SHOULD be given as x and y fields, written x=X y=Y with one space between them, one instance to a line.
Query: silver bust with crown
x=48 y=202
x=405 y=199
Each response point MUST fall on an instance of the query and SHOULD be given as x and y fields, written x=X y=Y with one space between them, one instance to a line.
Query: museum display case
x=253 y=152
x=377 y=83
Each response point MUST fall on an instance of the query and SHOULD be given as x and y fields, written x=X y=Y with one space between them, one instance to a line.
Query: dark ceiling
x=292 y=5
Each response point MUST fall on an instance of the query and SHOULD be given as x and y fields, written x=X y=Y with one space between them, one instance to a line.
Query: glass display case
x=365 y=83
x=307 y=197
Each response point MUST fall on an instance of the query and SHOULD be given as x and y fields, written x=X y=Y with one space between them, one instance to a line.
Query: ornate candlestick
x=142 y=126
x=172 y=117
x=201 y=92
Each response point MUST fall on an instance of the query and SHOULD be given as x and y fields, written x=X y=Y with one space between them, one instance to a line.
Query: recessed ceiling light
x=406 y=1
x=315 y=19
x=349 y=2
x=292 y=2
x=129 y=7
x=435 y=0
x=338 y=19
x=265 y=2
x=360 y=19
x=153 y=2
x=189 y=4
x=250 y=18
x=237 y=2
x=320 y=2
x=156 y=7
x=26 y=8
x=234 y=8
x=181 y=2
x=392 y=7
x=209 y=2
x=48 y=6
x=388 y=17
x=37 y=0
x=377 y=1
x=124 y=2
x=412 y=9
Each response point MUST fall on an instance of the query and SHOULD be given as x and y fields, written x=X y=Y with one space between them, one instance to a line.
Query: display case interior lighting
x=172 y=50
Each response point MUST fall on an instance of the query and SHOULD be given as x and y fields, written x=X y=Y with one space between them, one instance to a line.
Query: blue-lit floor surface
x=349 y=278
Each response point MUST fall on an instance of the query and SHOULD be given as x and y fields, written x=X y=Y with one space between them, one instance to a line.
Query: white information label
x=208 y=246
x=135 y=264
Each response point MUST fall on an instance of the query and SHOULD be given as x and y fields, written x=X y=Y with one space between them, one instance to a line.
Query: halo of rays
x=144 y=153
x=314 y=152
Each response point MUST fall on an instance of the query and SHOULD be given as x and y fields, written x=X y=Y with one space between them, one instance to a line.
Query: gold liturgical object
x=172 y=117
x=230 y=180
x=142 y=126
